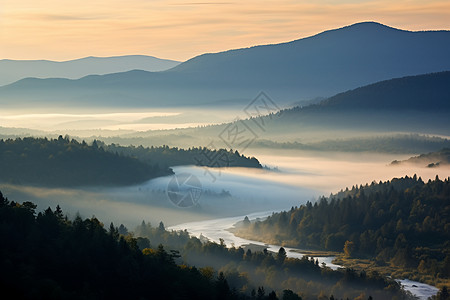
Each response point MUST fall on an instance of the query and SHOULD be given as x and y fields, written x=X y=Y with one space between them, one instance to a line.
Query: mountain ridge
x=12 y=70
x=322 y=65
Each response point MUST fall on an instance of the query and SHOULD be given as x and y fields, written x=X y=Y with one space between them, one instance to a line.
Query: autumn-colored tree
x=349 y=247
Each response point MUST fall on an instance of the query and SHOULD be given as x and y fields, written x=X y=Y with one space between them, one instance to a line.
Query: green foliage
x=246 y=271
x=64 y=162
x=58 y=258
x=49 y=257
x=405 y=222
x=174 y=156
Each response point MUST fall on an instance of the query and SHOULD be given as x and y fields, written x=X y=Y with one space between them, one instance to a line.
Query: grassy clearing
x=396 y=272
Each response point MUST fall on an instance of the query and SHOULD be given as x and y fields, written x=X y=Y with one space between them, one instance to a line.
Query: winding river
x=217 y=229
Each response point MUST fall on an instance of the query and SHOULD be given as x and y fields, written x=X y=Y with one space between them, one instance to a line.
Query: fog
x=112 y=122
x=329 y=172
x=294 y=178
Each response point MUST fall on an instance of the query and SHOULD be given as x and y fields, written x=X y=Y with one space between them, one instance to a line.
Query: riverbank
x=223 y=229
x=390 y=270
x=410 y=276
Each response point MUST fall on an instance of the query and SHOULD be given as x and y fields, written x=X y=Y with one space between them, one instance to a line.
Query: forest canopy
x=404 y=222
x=45 y=255
x=67 y=162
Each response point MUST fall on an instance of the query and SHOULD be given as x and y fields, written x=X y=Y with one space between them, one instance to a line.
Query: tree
x=261 y=293
x=281 y=255
x=161 y=226
x=123 y=230
x=58 y=212
x=222 y=287
x=30 y=206
x=290 y=295
x=3 y=201
x=113 y=231
x=349 y=247
x=272 y=296
x=443 y=293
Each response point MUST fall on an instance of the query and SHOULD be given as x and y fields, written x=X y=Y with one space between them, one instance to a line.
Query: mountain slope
x=13 y=70
x=410 y=104
x=421 y=92
x=321 y=65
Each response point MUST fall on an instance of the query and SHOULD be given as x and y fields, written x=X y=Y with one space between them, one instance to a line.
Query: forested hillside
x=64 y=162
x=68 y=162
x=45 y=255
x=174 y=156
x=403 y=222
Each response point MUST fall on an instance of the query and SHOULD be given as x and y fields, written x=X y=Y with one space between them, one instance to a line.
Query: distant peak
x=366 y=25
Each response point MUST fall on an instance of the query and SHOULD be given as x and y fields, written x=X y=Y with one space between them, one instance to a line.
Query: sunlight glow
x=179 y=30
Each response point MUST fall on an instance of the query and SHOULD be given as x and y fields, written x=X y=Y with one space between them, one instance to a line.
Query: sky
x=179 y=30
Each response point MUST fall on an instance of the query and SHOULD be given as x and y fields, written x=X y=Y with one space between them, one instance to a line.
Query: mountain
x=430 y=92
x=321 y=65
x=13 y=70
x=411 y=104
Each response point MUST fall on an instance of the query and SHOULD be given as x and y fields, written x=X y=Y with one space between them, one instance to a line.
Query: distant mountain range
x=321 y=65
x=13 y=70
x=376 y=117
x=410 y=104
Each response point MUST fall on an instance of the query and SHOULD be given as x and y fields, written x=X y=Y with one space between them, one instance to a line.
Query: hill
x=431 y=160
x=321 y=65
x=79 y=259
x=53 y=256
x=13 y=70
x=418 y=104
x=401 y=223
x=427 y=92
x=65 y=162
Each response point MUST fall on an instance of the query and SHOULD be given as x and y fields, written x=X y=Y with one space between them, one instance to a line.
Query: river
x=217 y=229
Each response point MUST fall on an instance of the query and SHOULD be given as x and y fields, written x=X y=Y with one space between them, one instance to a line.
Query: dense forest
x=65 y=162
x=403 y=222
x=174 y=156
x=45 y=255
x=398 y=143
x=68 y=162
x=247 y=271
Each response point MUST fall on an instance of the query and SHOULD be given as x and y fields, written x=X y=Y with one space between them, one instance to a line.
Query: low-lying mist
x=294 y=178
x=112 y=122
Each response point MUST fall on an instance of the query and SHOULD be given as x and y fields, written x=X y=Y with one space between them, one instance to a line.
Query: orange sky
x=177 y=29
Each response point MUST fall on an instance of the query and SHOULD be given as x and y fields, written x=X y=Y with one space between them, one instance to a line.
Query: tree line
x=67 y=162
x=404 y=222
x=174 y=156
x=45 y=255
x=249 y=271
